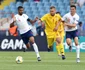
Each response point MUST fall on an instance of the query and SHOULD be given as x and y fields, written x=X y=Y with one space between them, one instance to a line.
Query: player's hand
x=36 y=18
x=55 y=29
x=65 y=24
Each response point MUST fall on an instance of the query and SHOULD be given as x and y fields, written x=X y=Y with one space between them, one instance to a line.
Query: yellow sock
x=62 y=48
x=58 y=50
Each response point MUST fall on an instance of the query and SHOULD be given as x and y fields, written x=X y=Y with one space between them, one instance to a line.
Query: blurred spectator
x=13 y=31
x=72 y=2
x=80 y=29
x=37 y=0
x=80 y=2
x=84 y=26
x=2 y=32
x=84 y=29
x=21 y=0
x=40 y=31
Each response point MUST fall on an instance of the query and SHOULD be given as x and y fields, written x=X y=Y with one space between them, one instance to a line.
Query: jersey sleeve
x=44 y=18
x=26 y=16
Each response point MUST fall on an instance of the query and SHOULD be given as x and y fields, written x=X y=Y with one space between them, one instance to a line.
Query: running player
x=60 y=33
x=20 y=20
x=50 y=20
x=71 y=20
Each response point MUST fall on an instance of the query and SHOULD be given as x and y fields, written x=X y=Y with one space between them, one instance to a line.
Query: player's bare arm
x=13 y=21
x=70 y=25
x=57 y=25
x=41 y=22
x=32 y=21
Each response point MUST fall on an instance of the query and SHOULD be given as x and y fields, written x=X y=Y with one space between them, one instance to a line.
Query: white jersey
x=73 y=19
x=22 y=23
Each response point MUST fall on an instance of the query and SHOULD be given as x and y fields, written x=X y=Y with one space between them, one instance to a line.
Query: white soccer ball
x=19 y=59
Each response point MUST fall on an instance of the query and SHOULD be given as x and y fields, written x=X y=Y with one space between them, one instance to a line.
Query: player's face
x=73 y=10
x=21 y=11
x=53 y=11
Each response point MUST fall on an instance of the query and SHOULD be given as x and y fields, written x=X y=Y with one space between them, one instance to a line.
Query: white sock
x=36 y=49
x=78 y=51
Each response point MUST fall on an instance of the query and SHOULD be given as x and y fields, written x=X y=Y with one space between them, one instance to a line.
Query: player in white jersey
x=71 y=20
x=21 y=20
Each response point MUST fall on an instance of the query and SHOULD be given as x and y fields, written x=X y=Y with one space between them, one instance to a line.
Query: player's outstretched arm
x=41 y=22
x=57 y=25
x=12 y=22
x=32 y=21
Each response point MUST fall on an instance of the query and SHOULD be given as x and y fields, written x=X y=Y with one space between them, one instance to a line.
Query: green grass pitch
x=50 y=61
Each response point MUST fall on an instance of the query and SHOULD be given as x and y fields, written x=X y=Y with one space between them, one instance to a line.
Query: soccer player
x=20 y=20
x=51 y=20
x=71 y=20
x=60 y=34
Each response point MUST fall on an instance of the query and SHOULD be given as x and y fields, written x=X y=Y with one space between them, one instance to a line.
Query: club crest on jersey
x=23 y=16
x=73 y=18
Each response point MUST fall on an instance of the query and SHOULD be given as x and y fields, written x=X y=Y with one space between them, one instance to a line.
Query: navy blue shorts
x=25 y=37
x=72 y=34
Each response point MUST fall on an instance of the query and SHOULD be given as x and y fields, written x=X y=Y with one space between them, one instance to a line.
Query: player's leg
x=62 y=40
x=59 y=44
x=75 y=36
x=68 y=40
x=35 y=47
x=58 y=49
x=50 y=42
x=28 y=45
x=62 y=47
x=26 y=41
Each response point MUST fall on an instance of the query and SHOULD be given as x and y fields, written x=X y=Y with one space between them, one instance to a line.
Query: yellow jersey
x=50 y=23
x=61 y=26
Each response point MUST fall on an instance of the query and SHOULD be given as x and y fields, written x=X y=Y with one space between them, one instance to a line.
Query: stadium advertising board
x=10 y=43
x=66 y=47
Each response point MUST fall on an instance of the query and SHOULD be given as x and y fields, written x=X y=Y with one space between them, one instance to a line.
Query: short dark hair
x=58 y=13
x=20 y=7
x=73 y=6
x=52 y=7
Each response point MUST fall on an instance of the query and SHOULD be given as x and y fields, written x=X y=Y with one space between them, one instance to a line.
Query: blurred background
x=33 y=8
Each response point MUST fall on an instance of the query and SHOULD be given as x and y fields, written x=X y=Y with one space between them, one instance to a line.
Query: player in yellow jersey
x=50 y=21
x=60 y=34
x=59 y=29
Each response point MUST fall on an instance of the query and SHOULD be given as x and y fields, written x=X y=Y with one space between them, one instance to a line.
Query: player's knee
x=58 y=40
x=32 y=40
x=28 y=45
x=76 y=44
x=68 y=42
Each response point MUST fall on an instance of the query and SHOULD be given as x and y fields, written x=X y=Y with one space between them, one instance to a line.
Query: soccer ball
x=19 y=59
